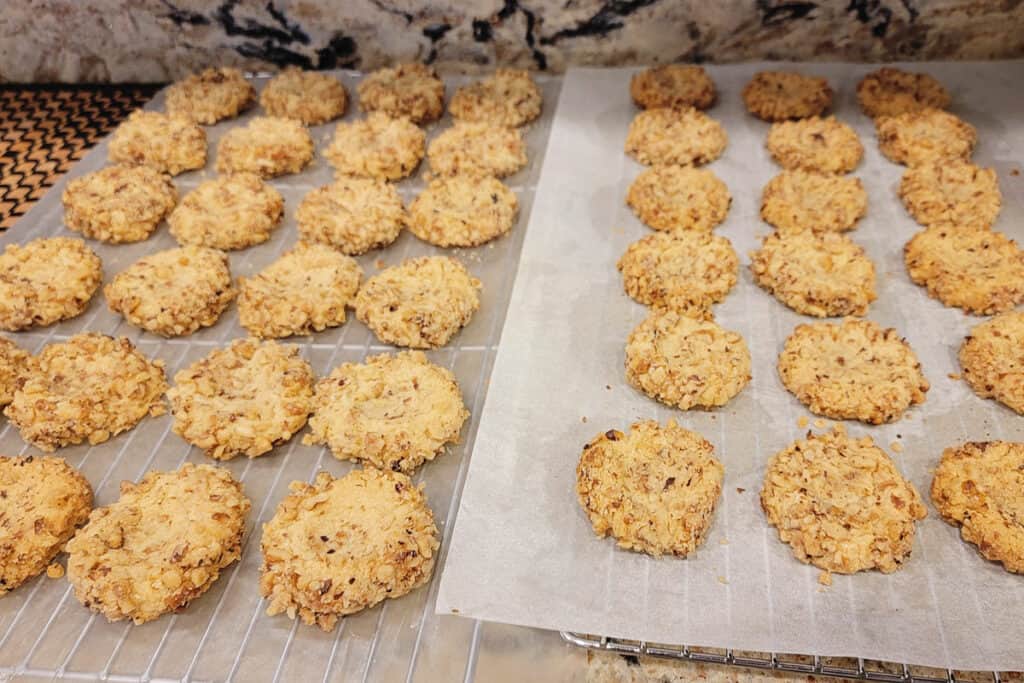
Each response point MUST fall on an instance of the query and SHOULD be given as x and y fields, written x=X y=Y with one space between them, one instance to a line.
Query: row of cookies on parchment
x=655 y=488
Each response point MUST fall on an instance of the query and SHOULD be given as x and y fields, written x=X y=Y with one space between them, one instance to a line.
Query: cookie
x=820 y=274
x=173 y=292
x=654 y=489
x=463 y=211
x=307 y=96
x=409 y=90
x=242 y=399
x=14 y=363
x=118 y=203
x=979 y=487
x=477 y=149
x=853 y=370
x=507 y=98
x=781 y=95
x=924 y=136
x=232 y=211
x=377 y=146
x=419 y=304
x=686 y=137
x=45 y=500
x=841 y=504
x=673 y=85
x=45 y=281
x=815 y=144
x=338 y=546
x=679 y=271
x=391 y=412
x=304 y=291
x=685 y=362
x=992 y=359
x=167 y=143
x=978 y=270
x=211 y=95
x=795 y=201
x=88 y=388
x=675 y=198
x=268 y=146
x=888 y=92
x=352 y=214
x=161 y=545
x=951 y=192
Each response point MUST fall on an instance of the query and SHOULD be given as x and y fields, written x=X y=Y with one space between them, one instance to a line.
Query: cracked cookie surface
x=815 y=144
x=673 y=85
x=211 y=95
x=509 y=97
x=686 y=137
x=888 y=92
x=992 y=359
x=781 y=95
x=352 y=214
x=232 y=211
x=951 y=192
x=378 y=146
x=679 y=271
x=118 y=204
x=268 y=146
x=45 y=281
x=411 y=90
x=463 y=211
x=673 y=198
x=794 y=201
x=168 y=143
x=307 y=96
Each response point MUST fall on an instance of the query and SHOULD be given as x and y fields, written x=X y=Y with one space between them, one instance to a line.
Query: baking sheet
x=523 y=551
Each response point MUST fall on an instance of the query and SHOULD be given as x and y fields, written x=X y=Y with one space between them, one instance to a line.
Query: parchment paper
x=523 y=551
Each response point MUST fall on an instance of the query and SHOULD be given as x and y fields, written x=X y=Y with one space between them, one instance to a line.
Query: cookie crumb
x=722 y=580
x=55 y=570
x=825 y=578
x=1014 y=171
x=820 y=424
x=740 y=489
x=584 y=419
x=896 y=447
x=954 y=375
x=802 y=421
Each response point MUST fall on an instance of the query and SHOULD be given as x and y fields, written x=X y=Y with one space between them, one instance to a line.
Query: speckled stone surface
x=159 y=40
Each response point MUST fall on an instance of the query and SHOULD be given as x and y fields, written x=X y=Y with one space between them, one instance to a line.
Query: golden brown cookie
x=211 y=95
x=795 y=201
x=161 y=545
x=820 y=274
x=170 y=144
x=781 y=95
x=409 y=90
x=951 y=192
x=307 y=96
x=924 y=136
x=45 y=281
x=90 y=387
x=978 y=270
x=463 y=211
x=841 y=504
x=419 y=304
x=853 y=370
x=685 y=362
x=118 y=203
x=14 y=362
x=268 y=146
x=686 y=137
x=815 y=144
x=507 y=98
x=339 y=546
x=992 y=359
x=673 y=85
x=390 y=412
x=477 y=149
x=353 y=215
x=232 y=211
x=377 y=146
x=889 y=91
x=675 y=198
x=654 y=489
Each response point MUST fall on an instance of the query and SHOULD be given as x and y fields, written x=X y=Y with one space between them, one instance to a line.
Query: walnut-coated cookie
x=686 y=362
x=924 y=136
x=44 y=500
x=841 y=504
x=477 y=148
x=161 y=545
x=673 y=85
x=463 y=211
x=170 y=144
x=268 y=146
x=889 y=91
x=14 y=363
x=45 y=281
x=820 y=274
x=411 y=90
x=853 y=370
x=338 y=546
x=653 y=489
x=509 y=98
x=419 y=304
x=680 y=270
x=674 y=198
x=391 y=412
x=231 y=211
x=304 y=291
x=378 y=146
x=118 y=203
x=88 y=388
x=686 y=137
x=816 y=144
x=951 y=192
x=781 y=95
x=173 y=292
x=242 y=399
x=978 y=270
x=979 y=486
x=795 y=201
x=352 y=214
x=211 y=95
x=308 y=96
x=992 y=359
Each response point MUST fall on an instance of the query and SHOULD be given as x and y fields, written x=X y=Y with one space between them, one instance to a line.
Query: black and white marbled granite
x=155 y=40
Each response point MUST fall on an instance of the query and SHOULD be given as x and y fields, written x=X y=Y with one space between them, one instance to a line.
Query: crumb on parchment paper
x=55 y=570
x=896 y=447
x=802 y=421
x=825 y=578
x=954 y=375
